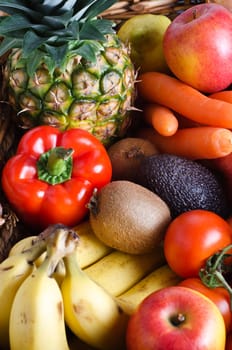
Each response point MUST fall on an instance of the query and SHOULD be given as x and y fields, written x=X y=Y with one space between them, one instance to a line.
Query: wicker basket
x=122 y=10
x=11 y=230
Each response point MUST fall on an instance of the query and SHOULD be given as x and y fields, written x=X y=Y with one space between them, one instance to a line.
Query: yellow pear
x=144 y=33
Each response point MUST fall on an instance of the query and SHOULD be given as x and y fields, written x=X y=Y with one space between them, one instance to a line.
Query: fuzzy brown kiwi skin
x=128 y=217
x=126 y=156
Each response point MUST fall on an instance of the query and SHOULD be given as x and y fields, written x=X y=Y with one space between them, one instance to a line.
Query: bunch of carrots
x=184 y=121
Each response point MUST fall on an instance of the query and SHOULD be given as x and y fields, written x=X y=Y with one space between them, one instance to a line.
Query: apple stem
x=176 y=320
x=212 y=274
x=194 y=14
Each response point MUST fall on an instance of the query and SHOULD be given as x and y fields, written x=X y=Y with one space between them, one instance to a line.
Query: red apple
x=198 y=47
x=219 y=295
x=176 y=318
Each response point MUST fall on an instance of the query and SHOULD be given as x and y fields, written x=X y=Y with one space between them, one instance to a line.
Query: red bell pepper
x=52 y=176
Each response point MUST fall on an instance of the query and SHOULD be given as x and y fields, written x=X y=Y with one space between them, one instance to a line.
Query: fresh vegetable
x=224 y=95
x=205 y=142
x=218 y=295
x=161 y=118
x=184 y=99
x=52 y=176
x=192 y=237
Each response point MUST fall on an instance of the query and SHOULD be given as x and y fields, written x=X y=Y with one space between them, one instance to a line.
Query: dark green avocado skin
x=183 y=184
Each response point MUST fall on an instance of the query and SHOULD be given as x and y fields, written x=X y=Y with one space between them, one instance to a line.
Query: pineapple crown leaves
x=51 y=31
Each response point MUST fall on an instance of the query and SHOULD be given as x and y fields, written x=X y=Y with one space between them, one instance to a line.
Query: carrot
x=203 y=142
x=225 y=95
x=184 y=99
x=161 y=118
x=184 y=122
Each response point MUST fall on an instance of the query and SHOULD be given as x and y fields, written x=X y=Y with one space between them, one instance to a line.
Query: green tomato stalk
x=213 y=274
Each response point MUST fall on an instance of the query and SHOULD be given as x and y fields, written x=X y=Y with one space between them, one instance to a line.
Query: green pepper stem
x=57 y=160
x=55 y=166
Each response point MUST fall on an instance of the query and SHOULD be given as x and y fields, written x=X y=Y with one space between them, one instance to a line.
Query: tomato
x=192 y=237
x=220 y=297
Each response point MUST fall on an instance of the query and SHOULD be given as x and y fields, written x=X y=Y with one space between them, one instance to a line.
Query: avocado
x=183 y=184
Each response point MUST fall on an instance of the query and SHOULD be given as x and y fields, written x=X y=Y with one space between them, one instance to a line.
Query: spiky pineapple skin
x=96 y=96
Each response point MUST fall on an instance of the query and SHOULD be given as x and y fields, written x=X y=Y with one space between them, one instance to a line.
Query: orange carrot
x=225 y=95
x=184 y=99
x=203 y=142
x=161 y=118
x=184 y=122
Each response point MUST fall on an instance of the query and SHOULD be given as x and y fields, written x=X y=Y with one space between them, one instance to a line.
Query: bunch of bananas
x=67 y=279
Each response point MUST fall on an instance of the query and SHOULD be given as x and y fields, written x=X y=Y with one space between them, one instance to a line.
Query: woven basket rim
x=123 y=10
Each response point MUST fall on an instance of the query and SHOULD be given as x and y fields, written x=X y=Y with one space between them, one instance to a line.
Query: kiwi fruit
x=128 y=217
x=183 y=184
x=126 y=155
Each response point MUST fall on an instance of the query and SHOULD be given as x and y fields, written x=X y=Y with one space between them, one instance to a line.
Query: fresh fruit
x=90 y=311
x=126 y=269
x=197 y=47
x=88 y=251
x=193 y=237
x=218 y=295
x=126 y=155
x=128 y=217
x=24 y=244
x=67 y=68
x=176 y=318
x=39 y=301
x=183 y=184
x=145 y=33
x=13 y=271
x=157 y=279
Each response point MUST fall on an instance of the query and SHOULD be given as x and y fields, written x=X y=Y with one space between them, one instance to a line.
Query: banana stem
x=60 y=241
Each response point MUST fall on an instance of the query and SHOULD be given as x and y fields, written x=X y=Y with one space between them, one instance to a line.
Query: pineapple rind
x=96 y=97
x=67 y=67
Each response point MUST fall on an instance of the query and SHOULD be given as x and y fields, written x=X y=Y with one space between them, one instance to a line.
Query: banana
x=91 y=313
x=118 y=271
x=89 y=250
x=24 y=244
x=13 y=271
x=37 y=313
x=159 y=278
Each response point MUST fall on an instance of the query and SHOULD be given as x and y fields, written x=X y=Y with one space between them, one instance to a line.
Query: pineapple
x=67 y=67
